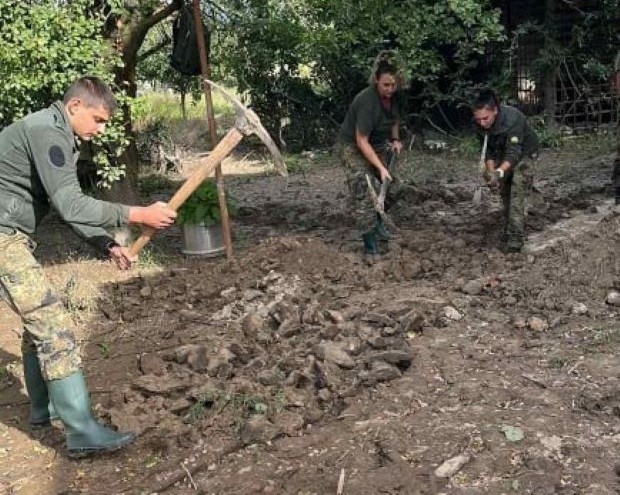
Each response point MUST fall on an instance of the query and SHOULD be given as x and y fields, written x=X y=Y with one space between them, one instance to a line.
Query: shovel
x=477 y=199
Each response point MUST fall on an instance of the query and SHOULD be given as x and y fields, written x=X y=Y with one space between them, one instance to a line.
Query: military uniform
x=367 y=115
x=38 y=158
x=512 y=139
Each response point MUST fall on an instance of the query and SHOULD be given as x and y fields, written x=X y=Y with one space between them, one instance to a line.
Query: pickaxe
x=379 y=201
x=246 y=123
x=477 y=199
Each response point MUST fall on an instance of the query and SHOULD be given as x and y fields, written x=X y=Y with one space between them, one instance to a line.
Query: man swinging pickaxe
x=246 y=123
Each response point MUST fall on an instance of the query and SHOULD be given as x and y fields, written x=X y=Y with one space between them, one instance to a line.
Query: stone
x=152 y=364
x=146 y=291
x=451 y=313
x=334 y=316
x=412 y=322
x=402 y=359
x=161 y=385
x=378 y=319
x=194 y=355
x=380 y=372
x=258 y=429
x=252 y=324
x=613 y=298
x=335 y=354
x=579 y=309
x=473 y=287
x=519 y=322
x=537 y=324
x=452 y=466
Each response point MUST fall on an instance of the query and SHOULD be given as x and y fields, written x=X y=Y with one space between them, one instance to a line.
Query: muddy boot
x=84 y=434
x=370 y=243
x=41 y=408
x=382 y=233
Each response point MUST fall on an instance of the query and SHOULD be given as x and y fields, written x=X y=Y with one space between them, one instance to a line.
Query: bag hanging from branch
x=185 y=57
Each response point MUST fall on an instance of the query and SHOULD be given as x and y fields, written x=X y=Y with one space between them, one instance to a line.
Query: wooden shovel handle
x=221 y=151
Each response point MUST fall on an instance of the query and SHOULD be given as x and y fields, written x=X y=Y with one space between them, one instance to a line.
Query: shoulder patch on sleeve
x=56 y=156
x=514 y=139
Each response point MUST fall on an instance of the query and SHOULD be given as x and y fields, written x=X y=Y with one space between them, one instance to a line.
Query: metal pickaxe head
x=247 y=122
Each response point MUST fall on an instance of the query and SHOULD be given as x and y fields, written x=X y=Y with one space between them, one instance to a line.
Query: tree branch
x=154 y=49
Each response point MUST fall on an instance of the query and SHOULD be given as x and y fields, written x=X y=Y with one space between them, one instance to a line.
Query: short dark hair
x=485 y=99
x=93 y=92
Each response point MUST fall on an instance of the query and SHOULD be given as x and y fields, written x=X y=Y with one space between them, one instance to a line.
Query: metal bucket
x=203 y=240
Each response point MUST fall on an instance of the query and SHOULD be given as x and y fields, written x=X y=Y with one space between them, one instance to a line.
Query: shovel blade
x=477 y=199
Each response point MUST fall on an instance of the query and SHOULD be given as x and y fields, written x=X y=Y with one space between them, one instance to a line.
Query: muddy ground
x=300 y=368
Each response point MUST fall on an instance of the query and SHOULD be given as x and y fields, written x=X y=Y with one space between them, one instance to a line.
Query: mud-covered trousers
x=515 y=190
x=356 y=167
x=48 y=328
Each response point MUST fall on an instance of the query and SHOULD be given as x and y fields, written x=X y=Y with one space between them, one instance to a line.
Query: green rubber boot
x=383 y=234
x=370 y=242
x=84 y=434
x=41 y=409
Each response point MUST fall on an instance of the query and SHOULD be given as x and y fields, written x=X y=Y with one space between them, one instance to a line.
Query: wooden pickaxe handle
x=221 y=151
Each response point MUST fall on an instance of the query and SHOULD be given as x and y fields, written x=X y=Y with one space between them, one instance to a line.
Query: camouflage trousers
x=48 y=328
x=516 y=187
x=356 y=167
x=615 y=173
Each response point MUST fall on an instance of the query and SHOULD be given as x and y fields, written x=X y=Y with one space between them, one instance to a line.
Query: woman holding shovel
x=511 y=149
x=369 y=144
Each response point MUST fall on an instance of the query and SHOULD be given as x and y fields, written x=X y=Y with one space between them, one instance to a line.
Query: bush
x=203 y=206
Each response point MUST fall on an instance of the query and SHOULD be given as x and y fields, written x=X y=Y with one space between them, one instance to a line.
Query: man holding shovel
x=368 y=145
x=38 y=156
x=511 y=149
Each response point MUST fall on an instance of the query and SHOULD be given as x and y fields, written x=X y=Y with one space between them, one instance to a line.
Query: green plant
x=203 y=206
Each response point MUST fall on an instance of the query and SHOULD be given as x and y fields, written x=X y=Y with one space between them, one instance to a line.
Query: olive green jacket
x=511 y=138
x=38 y=157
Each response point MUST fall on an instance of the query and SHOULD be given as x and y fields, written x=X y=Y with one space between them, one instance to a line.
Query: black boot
x=84 y=434
x=370 y=243
x=41 y=408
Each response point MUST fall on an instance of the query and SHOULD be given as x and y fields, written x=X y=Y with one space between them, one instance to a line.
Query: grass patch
x=215 y=402
x=152 y=257
x=602 y=336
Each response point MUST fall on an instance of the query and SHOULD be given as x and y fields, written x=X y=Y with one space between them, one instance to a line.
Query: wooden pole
x=204 y=69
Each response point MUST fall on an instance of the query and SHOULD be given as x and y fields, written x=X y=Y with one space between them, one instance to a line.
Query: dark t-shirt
x=367 y=115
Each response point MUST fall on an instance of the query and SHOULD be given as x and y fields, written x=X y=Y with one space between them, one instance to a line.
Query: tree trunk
x=549 y=77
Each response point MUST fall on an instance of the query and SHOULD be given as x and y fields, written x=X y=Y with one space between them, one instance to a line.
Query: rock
x=412 y=322
x=452 y=466
x=537 y=324
x=252 y=324
x=378 y=319
x=177 y=406
x=451 y=313
x=402 y=359
x=146 y=291
x=251 y=294
x=597 y=489
x=290 y=423
x=613 y=298
x=380 y=372
x=270 y=377
x=473 y=287
x=334 y=316
x=194 y=355
x=579 y=309
x=227 y=293
x=335 y=354
x=161 y=385
x=258 y=429
x=289 y=328
x=152 y=364
x=124 y=420
x=519 y=322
